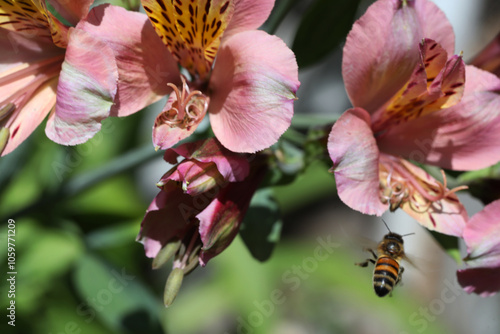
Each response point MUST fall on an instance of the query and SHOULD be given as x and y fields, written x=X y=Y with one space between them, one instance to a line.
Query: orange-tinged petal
x=433 y=57
x=58 y=30
x=191 y=29
x=434 y=85
x=33 y=19
x=25 y=18
x=32 y=114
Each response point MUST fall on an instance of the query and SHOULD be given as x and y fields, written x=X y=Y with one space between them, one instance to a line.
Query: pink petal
x=462 y=137
x=381 y=50
x=86 y=90
x=355 y=157
x=482 y=237
x=31 y=115
x=252 y=91
x=145 y=65
x=72 y=11
x=28 y=72
x=166 y=218
x=435 y=25
x=380 y=53
x=232 y=166
x=248 y=15
x=482 y=281
x=18 y=49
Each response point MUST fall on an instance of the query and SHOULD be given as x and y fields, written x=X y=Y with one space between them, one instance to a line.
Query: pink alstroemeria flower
x=482 y=237
x=411 y=101
x=248 y=90
x=201 y=205
x=42 y=57
x=33 y=45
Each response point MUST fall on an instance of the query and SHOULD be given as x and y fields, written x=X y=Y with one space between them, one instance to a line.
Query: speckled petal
x=463 y=137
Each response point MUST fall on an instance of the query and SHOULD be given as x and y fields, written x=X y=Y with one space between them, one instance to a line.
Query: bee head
x=393 y=243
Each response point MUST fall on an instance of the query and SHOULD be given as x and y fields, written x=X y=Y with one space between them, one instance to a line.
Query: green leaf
x=61 y=316
x=41 y=256
x=261 y=227
x=324 y=26
x=116 y=297
x=313 y=185
x=278 y=13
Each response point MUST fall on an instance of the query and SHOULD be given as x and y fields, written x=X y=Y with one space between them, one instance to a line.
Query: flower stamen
x=399 y=185
x=188 y=108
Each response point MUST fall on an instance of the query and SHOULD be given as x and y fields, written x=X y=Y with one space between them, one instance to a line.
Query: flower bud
x=166 y=253
x=172 y=286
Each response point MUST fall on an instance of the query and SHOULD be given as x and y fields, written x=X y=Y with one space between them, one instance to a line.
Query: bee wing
x=411 y=261
x=422 y=265
x=356 y=241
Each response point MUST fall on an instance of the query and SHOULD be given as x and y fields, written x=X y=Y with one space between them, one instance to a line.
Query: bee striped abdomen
x=385 y=275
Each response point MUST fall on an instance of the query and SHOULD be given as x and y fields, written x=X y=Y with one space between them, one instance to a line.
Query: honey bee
x=388 y=271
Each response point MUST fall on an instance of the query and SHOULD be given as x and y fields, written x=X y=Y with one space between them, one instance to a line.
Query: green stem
x=121 y=164
x=302 y=121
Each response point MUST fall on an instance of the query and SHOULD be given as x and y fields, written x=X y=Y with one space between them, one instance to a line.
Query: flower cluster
x=414 y=104
x=200 y=206
x=208 y=55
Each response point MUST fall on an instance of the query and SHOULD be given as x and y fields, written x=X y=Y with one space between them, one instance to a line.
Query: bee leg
x=373 y=253
x=400 y=276
x=364 y=264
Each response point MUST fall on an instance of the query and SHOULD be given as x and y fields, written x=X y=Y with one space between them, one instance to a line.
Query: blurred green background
x=77 y=211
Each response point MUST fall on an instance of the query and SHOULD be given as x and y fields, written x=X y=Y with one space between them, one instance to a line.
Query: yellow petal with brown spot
x=191 y=29
x=33 y=20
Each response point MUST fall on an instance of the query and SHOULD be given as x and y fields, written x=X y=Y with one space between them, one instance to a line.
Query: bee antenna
x=386 y=225
x=404 y=235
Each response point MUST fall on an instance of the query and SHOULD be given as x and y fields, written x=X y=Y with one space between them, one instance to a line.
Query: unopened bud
x=172 y=286
x=166 y=253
